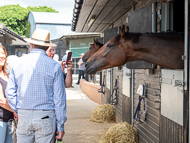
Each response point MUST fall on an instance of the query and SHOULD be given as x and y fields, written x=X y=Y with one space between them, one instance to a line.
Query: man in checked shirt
x=36 y=92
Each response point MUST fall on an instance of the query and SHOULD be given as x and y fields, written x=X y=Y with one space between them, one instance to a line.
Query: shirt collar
x=40 y=51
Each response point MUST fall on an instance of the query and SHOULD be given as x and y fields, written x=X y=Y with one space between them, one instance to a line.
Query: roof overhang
x=65 y=38
x=98 y=15
x=81 y=35
x=7 y=35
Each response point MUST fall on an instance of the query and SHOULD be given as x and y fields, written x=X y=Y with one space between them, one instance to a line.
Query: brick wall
x=91 y=90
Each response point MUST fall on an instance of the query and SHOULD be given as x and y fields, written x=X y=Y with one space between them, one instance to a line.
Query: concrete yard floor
x=78 y=128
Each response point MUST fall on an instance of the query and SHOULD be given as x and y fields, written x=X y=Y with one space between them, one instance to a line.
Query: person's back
x=37 y=92
x=35 y=69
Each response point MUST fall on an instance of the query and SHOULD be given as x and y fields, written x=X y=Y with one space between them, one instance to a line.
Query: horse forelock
x=116 y=39
x=91 y=44
x=99 y=44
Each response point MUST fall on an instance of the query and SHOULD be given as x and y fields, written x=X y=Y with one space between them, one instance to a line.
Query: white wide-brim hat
x=40 y=37
x=82 y=54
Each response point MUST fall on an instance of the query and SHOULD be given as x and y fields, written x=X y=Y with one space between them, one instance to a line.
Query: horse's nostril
x=86 y=65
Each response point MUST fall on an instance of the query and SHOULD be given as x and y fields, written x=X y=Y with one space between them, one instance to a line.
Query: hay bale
x=120 y=133
x=103 y=114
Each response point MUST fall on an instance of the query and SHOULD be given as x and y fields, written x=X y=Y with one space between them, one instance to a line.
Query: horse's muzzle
x=84 y=59
x=89 y=69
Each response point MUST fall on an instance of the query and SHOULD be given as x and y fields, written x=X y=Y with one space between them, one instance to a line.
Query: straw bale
x=120 y=133
x=103 y=114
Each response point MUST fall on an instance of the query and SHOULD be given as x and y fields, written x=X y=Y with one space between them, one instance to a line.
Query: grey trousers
x=36 y=125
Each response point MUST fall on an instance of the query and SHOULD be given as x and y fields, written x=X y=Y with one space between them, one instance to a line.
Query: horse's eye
x=109 y=45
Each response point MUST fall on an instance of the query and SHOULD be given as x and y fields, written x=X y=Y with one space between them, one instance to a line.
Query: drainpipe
x=186 y=58
x=154 y=22
x=132 y=95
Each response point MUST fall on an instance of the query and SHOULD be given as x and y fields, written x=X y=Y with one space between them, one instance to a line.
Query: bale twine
x=103 y=114
x=120 y=133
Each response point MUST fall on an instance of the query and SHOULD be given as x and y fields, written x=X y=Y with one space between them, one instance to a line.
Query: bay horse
x=93 y=48
x=163 y=49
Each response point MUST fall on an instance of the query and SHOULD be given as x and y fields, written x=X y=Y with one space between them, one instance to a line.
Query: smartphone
x=68 y=57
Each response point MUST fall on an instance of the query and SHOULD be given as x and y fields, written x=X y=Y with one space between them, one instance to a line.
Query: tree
x=15 y=17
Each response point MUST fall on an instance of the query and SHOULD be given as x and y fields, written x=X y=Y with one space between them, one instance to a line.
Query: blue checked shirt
x=36 y=83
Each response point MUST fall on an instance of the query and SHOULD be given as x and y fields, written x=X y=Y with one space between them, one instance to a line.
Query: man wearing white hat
x=81 y=68
x=36 y=92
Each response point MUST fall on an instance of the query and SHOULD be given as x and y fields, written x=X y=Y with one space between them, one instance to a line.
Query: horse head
x=157 y=48
x=112 y=54
x=93 y=48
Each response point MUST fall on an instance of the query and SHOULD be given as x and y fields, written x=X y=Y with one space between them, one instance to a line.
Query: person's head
x=10 y=61
x=67 y=52
x=81 y=55
x=56 y=57
x=23 y=54
x=50 y=52
x=40 y=40
x=3 y=56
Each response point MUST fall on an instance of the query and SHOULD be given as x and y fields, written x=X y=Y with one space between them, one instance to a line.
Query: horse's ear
x=94 y=41
x=127 y=29
x=122 y=31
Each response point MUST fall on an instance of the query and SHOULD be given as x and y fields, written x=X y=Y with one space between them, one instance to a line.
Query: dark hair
x=4 y=68
x=41 y=47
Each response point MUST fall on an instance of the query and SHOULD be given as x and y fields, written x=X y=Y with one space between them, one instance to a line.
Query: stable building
x=167 y=90
x=14 y=43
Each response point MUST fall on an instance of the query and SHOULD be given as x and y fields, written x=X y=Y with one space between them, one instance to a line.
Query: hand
x=60 y=135
x=63 y=64
x=70 y=66
x=15 y=116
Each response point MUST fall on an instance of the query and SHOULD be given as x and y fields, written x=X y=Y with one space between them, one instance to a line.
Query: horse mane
x=128 y=35
x=135 y=36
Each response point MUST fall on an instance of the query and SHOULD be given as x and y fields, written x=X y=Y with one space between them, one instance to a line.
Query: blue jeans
x=81 y=73
x=5 y=132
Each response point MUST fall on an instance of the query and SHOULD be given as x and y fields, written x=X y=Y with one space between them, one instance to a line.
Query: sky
x=64 y=7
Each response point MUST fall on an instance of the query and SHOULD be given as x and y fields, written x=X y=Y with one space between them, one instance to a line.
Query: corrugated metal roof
x=56 y=30
x=81 y=35
x=49 y=17
x=7 y=35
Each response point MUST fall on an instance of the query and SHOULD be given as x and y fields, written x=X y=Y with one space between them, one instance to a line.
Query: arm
x=2 y=97
x=5 y=105
x=3 y=101
x=59 y=100
x=69 y=80
x=11 y=92
x=79 y=63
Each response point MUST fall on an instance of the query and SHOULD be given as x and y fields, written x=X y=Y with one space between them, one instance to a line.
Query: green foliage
x=41 y=9
x=28 y=26
x=15 y=17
